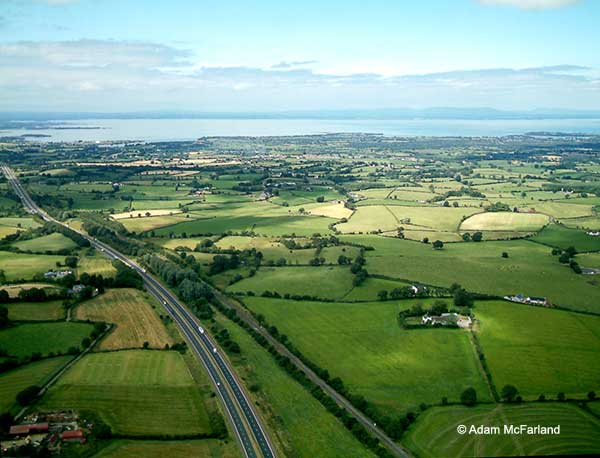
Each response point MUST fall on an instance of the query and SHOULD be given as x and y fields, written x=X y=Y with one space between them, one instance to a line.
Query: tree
x=591 y=395
x=509 y=393
x=574 y=265
x=469 y=397
x=466 y=237
x=438 y=245
x=477 y=236
x=564 y=258
x=438 y=308
x=571 y=251
x=28 y=395
x=425 y=240
x=4 y=296
x=504 y=254
x=71 y=261
x=560 y=396
x=321 y=199
x=462 y=298
x=383 y=295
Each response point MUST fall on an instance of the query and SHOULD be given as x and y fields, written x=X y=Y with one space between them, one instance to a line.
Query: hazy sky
x=253 y=55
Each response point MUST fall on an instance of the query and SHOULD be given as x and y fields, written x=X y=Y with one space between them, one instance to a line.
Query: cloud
x=293 y=64
x=530 y=4
x=92 y=53
x=57 y=2
x=90 y=75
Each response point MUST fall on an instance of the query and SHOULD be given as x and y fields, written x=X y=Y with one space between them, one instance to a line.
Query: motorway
x=244 y=419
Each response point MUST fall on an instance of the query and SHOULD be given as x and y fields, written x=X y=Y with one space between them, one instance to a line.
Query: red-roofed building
x=37 y=428
x=73 y=436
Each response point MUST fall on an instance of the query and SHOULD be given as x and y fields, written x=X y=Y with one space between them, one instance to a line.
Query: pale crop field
x=505 y=221
x=131 y=312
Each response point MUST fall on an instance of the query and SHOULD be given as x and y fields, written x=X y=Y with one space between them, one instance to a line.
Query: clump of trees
x=498 y=207
x=568 y=257
x=509 y=393
x=359 y=271
x=224 y=338
x=183 y=276
x=469 y=397
x=460 y=296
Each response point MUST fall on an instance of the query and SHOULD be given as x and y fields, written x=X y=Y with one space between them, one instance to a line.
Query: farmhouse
x=53 y=275
x=446 y=319
x=531 y=300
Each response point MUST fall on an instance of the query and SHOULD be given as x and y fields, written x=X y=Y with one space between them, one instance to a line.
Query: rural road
x=242 y=415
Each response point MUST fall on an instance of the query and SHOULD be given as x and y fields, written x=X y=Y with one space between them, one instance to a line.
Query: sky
x=273 y=55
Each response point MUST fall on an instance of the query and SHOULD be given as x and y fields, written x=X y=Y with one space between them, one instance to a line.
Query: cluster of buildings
x=447 y=319
x=52 y=430
x=57 y=274
x=531 y=300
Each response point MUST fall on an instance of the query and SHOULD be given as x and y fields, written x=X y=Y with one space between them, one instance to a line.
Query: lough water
x=191 y=129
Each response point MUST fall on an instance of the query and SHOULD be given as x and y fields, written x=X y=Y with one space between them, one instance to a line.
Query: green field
x=299 y=280
x=563 y=237
x=368 y=290
x=530 y=268
x=50 y=242
x=538 y=350
x=363 y=344
x=11 y=225
x=434 y=435
x=302 y=425
x=18 y=266
x=34 y=311
x=262 y=225
x=25 y=339
x=137 y=392
x=12 y=382
x=177 y=449
x=595 y=407
x=97 y=264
